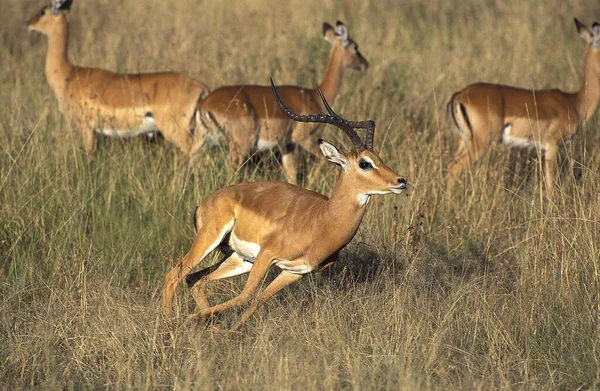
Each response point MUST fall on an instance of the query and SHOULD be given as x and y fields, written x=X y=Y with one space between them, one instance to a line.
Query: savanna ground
x=494 y=287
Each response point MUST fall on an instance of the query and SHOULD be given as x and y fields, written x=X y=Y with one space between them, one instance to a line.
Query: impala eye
x=365 y=165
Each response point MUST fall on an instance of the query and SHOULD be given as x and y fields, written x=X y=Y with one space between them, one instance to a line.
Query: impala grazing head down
x=275 y=223
x=114 y=104
x=546 y=119
x=250 y=117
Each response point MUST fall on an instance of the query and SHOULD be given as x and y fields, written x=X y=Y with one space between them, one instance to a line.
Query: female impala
x=115 y=104
x=546 y=119
x=276 y=223
x=249 y=114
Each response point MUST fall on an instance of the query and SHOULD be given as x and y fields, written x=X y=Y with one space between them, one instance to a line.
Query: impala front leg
x=281 y=281
x=288 y=160
x=85 y=128
x=579 y=150
x=175 y=132
x=302 y=135
x=257 y=273
x=469 y=154
x=230 y=267
x=550 y=167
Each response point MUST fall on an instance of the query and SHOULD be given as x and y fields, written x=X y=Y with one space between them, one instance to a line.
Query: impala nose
x=402 y=183
x=364 y=66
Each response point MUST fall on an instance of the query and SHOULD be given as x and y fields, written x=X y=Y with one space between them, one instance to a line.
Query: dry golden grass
x=493 y=288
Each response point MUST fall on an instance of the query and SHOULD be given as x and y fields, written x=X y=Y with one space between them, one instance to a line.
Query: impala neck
x=58 y=66
x=330 y=84
x=588 y=96
x=343 y=211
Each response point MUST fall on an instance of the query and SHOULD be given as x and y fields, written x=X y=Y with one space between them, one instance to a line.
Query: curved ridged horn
x=333 y=119
x=369 y=125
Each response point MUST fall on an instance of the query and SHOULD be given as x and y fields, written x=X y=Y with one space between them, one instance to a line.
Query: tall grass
x=494 y=287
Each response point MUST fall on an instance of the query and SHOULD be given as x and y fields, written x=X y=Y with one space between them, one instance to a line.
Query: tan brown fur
x=98 y=99
x=249 y=113
x=486 y=114
x=277 y=223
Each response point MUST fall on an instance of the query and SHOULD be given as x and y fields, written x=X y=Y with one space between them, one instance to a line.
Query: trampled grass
x=494 y=287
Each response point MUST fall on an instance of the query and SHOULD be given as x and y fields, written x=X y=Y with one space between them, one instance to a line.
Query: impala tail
x=458 y=113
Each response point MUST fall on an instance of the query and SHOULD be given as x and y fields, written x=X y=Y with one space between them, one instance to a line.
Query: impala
x=262 y=224
x=545 y=119
x=115 y=104
x=251 y=120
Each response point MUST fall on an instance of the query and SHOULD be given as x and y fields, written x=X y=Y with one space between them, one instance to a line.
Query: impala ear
x=66 y=5
x=61 y=5
x=596 y=35
x=341 y=31
x=583 y=31
x=332 y=154
x=328 y=32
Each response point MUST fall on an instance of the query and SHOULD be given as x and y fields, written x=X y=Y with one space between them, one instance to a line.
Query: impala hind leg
x=175 y=131
x=232 y=266
x=472 y=152
x=209 y=236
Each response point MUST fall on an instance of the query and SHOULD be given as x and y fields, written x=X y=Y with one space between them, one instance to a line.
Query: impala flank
x=263 y=224
x=251 y=121
x=114 y=104
x=545 y=119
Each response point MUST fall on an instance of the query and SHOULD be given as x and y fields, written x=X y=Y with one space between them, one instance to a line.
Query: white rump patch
x=265 y=145
x=294 y=267
x=148 y=126
x=247 y=250
x=509 y=139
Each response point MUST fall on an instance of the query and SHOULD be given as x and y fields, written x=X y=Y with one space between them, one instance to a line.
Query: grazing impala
x=252 y=121
x=276 y=223
x=545 y=119
x=115 y=104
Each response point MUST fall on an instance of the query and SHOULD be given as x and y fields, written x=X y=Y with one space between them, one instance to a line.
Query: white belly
x=521 y=142
x=147 y=126
x=265 y=145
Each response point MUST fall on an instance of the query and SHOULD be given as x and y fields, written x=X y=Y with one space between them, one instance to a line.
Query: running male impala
x=249 y=116
x=545 y=119
x=115 y=104
x=262 y=224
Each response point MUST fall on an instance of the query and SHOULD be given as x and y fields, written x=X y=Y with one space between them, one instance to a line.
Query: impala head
x=338 y=37
x=45 y=20
x=591 y=37
x=371 y=176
